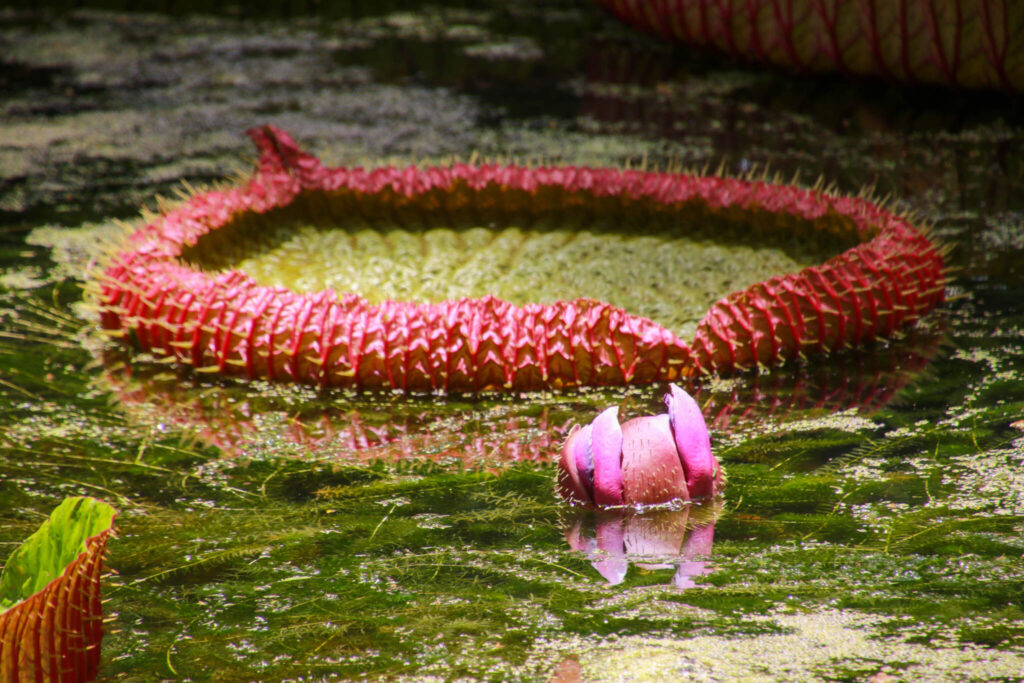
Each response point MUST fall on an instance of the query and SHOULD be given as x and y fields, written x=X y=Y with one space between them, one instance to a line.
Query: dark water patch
x=16 y=76
x=312 y=482
x=514 y=79
x=281 y=9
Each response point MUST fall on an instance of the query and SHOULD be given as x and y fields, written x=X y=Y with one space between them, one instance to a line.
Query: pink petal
x=692 y=442
x=607 y=450
x=570 y=483
x=651 y=471
x=584 y=458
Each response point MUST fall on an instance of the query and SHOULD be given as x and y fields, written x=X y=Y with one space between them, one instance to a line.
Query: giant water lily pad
x=963 y=43
x=179 y=286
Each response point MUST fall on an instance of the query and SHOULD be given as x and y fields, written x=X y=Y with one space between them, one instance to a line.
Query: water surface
x=874 y=512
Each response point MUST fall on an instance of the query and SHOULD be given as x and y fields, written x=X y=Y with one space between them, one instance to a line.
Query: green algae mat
x=873 y=521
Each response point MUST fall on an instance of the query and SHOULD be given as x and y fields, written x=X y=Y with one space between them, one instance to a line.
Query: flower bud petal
x=573 y=484
x=651 y=469
x=692 y=442
x=606 y=443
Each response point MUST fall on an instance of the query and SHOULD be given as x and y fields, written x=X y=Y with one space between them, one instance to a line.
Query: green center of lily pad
x=670 y=272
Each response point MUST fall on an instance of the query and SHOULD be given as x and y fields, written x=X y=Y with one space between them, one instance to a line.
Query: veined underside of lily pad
x=170 y=290
x=960 y=43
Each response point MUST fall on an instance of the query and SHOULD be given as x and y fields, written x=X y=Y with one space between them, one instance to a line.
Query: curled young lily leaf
x=50 y=611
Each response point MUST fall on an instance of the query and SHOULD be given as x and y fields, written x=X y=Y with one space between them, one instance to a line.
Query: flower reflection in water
x=652 y=539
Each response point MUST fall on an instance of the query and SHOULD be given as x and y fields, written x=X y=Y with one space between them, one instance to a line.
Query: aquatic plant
x=228 y=323
x=963 y=43
x=646 y=460
x=50 y=611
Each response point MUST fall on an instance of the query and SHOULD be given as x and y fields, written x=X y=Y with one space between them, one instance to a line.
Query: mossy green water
x=874 y=512
x=305 y=556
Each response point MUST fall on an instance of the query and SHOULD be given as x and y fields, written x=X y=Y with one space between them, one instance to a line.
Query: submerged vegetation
x=874 y=514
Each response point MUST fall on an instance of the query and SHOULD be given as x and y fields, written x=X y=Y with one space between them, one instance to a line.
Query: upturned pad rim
x=229 y=324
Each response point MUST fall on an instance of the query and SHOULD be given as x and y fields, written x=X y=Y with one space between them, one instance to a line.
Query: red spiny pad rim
x=867 y=292
x=864 y=381
x=961 y=43
x=55 y=635
x=228 y=323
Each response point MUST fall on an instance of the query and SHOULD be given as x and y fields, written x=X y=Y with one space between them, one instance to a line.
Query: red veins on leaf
x=960 y=43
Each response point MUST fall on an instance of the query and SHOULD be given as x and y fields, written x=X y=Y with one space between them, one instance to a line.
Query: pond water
x=873 y=520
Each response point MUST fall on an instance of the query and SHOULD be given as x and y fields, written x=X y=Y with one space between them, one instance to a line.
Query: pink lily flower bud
x=645 y=461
